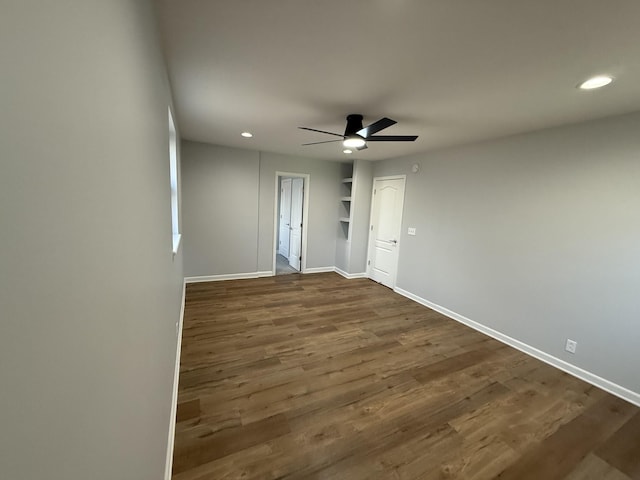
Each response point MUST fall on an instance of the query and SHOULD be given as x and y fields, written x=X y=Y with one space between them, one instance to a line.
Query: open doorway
x=290 y=223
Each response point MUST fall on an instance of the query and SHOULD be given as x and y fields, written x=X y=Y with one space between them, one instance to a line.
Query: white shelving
x=346 y=199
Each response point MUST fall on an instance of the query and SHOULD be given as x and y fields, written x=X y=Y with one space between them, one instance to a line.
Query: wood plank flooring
x=319 y=377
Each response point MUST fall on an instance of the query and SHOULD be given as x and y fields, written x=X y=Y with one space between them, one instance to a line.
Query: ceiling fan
x=356 y=136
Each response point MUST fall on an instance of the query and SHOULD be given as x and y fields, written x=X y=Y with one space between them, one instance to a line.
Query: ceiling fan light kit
x=356 y=136
x=354 y=141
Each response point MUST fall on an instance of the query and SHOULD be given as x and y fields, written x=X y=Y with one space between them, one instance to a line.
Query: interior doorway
x=290 y=223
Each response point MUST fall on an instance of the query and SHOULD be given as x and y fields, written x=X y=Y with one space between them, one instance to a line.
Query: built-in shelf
x=346 y=199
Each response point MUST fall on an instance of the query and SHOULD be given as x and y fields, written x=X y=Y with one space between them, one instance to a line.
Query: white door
x=284 y=226
x=384 y=234
x=295 y=244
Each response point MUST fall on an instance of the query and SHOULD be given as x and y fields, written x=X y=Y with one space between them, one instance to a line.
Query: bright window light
x=173 y=177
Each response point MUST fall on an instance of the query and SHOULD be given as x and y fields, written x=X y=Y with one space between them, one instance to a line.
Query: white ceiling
x=450 y=71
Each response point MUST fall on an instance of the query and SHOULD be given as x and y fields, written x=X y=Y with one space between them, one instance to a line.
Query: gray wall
x=228 y=202
x=536 y=236
x=323 y=196
x=89 y=290
x=220 y=209
x=362 y=186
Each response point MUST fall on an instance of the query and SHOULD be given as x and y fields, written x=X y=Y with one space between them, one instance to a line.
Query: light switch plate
x=412 y=231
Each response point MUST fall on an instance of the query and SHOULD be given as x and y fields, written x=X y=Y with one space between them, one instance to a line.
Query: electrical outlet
x=571 y=346
x=412 y=231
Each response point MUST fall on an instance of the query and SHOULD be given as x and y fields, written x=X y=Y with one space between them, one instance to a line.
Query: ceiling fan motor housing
x=354 y=124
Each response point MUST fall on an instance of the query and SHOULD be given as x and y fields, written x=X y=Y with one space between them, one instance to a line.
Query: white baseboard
x=604 y=384
x=268 y=273
x=227 y=276
x=174 y=397
x=319 y=270
x=350 y=275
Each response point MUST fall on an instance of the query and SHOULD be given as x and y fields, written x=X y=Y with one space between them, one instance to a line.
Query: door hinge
x=372 y=228
x=300 y=258
x=374 y=191
x=368 y=262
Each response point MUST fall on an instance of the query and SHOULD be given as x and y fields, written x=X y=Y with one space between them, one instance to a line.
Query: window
x=173 y=174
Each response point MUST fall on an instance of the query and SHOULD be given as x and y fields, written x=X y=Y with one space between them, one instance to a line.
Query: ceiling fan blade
x=392 y=138
x=375 y=127
x=362 y=147
x=326 y=141
x=321 y=131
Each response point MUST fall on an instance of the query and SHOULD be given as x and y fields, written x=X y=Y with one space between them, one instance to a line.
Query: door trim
x=282 y=182
x=295 y=232
x=402 y=177
x=305 y=217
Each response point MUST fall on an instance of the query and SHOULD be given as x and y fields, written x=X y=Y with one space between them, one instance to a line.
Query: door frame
x=281 y=182
x=305 y=217
x=402 y=177
x=295 y=232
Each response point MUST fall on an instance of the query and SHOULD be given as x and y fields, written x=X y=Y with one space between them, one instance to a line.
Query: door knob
x=393 y=241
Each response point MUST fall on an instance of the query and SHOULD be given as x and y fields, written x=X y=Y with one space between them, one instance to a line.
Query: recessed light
x=346 y=150
x=247 y=134
x=596 y=82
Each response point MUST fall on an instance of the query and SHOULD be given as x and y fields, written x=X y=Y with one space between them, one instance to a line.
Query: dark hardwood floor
x=316 y=376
